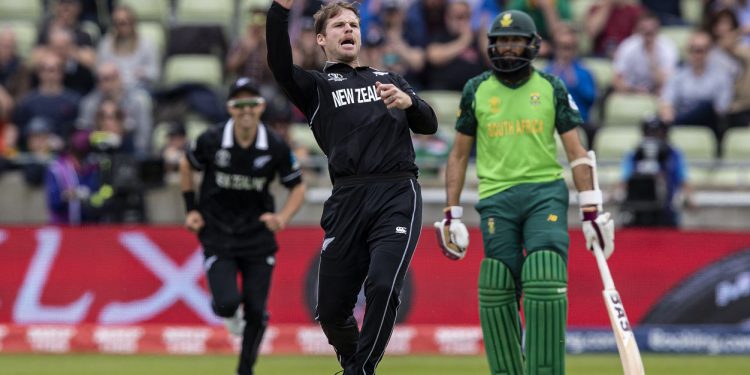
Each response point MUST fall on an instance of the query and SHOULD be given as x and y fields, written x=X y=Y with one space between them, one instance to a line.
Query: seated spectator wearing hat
x=698 y=93
x=42 y=144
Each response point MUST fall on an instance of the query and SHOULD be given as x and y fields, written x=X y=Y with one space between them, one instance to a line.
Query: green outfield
x=90 y=364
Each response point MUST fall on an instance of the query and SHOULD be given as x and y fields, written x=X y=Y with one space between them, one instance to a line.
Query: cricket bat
x=630 y=356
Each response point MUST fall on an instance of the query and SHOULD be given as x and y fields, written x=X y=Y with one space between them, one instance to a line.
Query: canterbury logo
x=401 y=230
x=327 y=242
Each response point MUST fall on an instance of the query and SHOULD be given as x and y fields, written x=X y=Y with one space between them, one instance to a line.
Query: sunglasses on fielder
x=242 y=103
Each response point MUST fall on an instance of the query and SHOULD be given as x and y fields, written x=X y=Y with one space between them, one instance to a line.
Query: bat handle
x=601 y=262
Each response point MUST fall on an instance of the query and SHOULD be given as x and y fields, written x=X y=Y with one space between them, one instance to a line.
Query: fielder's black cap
x=243 y=84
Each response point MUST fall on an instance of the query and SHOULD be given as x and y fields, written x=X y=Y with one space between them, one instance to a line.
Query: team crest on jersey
x=535 y=99
x=222 y=158
x=259 y=162
x=336 y=77
x=495 y=104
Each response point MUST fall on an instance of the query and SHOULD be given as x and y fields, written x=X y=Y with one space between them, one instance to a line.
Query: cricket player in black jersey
x=361 y=118
x=235 y=217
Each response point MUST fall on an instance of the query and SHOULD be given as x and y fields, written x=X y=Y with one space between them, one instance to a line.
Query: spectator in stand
x=668 y=11
x=456 y=55
x=698 y=93
x=174 y=148
x=392 y=52
x=577 y=78
x=72 y=184
x=51 y=99
x=65 y=16
x=645 y=60
x=425 y=18
x=741 y=10
x=15 y=77
x=109 y=133
x=306 y=53
x=135 y=102
x=547 y=15
x=724 y=29
x=77 y=75
x=41 y=146
x=730 y=55
x=136 y=57
x=247 y=55
x=609 y=22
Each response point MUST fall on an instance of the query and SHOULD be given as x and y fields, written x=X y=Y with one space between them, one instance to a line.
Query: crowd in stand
x=88 y=103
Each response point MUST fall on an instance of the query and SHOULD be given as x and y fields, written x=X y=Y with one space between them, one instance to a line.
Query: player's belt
x=373 y=178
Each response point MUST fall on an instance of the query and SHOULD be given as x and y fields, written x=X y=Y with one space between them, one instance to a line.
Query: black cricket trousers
x=371 y=226
x=221 y=272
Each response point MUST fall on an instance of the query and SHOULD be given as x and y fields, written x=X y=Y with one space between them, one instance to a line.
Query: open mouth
x=348 y=42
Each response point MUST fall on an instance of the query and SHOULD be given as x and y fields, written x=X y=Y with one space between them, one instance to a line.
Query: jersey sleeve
x=421 y=117
x=198 y=153
x=467 y=120
x=289 y=171
x=567 y=116
x=298 y=84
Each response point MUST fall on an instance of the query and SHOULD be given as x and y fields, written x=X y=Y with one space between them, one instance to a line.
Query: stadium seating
x=150 y=10
x=26 y=34
x=737 y=145
x=153 y=31
x=205 y=69
x=614 y=142
x=628 y=109
x=444 y=103
x=202 y=12
x=602 y=70
x=696 y=142
x=680 y=35
x=692 y=11
x=579 y=9
x=21 y=10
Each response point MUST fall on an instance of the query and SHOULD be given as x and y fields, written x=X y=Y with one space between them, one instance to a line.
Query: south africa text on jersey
x=355 y=95
x=239 y=182
x=517 y=127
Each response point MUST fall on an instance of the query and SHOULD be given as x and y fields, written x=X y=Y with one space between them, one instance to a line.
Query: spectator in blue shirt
x=577 y=78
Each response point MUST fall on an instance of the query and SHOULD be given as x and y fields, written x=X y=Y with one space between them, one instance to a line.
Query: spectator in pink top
x=609 y=22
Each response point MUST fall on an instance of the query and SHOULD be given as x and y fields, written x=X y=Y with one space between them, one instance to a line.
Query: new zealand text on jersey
x=239 y=182
x=355 y=95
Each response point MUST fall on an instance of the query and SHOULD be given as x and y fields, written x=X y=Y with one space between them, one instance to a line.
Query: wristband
x=590 y=198
x=189 y=198
x=453 y=212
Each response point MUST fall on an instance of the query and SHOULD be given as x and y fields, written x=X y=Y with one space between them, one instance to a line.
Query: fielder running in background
x=361 y=118
x=235 y=217
x=512 y=113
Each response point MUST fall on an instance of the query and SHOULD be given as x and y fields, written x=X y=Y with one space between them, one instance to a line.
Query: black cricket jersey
x=350 y=122
x=234 y=191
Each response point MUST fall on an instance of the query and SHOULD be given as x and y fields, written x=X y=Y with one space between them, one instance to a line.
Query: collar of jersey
x=341 y=66
x=261 y=137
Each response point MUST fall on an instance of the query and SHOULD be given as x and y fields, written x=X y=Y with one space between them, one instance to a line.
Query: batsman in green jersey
x=512 y=113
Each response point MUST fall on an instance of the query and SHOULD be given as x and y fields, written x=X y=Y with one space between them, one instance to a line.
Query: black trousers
x=222 y=272
x=371 y=231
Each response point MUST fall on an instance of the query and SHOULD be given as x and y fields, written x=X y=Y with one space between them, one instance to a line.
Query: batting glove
x=452 y=234
x=599 y=228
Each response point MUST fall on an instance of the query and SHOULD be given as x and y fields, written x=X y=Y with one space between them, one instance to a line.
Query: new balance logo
x=401 y=230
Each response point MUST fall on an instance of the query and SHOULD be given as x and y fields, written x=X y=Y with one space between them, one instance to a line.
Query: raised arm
x=298 y=84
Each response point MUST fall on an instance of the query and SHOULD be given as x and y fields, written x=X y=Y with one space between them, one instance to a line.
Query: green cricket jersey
x=514 y=128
